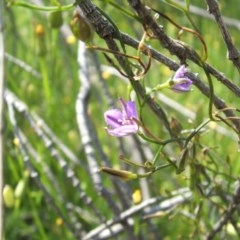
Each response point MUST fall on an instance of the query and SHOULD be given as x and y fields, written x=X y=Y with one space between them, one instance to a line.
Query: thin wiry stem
x=232 y=51
x=230 y=22
x=233 y=206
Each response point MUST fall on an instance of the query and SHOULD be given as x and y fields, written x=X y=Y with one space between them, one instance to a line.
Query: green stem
x=159 y=141
x=163 y=166
x=46 y=82
x=184 y=10
x=196 y=131
x=130 y=162
x=38 y=222
x=147 y=174
x=55 y=34
x=157 y=155
x=148 y=139
x=159 y=87
x=120 y=8
x=211 y=92
x=40 y=8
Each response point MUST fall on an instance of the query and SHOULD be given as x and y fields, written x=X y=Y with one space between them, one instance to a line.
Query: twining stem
x=194 y=32
x=139 y=74
x=196 y=131
x=122 y=9
x=184 y=10
x=211 y=91
x=157 y=155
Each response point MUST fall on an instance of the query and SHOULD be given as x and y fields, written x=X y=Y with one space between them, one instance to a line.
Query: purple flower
x=122 y=122
x=180 y=82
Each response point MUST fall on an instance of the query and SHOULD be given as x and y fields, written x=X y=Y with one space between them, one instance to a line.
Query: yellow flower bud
x=59 y=221
x=137 y=196
x=41 y=41
x=71 y=39
x=8 y=196
x=39 y=30
x=16 y=142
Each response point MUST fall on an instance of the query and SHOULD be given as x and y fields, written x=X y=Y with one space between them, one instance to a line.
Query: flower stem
x=40 y=8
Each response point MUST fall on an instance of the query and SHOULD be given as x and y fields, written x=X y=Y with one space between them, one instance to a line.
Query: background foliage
x=52 y=167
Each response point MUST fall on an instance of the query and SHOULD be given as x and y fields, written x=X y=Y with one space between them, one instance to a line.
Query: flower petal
x=113 y=118
x=132 y=110
x=121 y=123
x=180 y=73
x=123 y=130
x=129 y=109
x=180 y=82
x=181 y=85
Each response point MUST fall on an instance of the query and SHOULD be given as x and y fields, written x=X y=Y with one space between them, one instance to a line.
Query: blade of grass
x=46 y=83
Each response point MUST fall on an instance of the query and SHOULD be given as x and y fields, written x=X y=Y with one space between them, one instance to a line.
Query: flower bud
x=137 y=196
x=148 y=165
x=176 y=126
x=16 y=142
x=19 y=189
x=56 y=19
x=180 y=82
x=124 y=175
x=59 y=222
x=8 y=196
x=181 y=162
x=41 y=41
x=26 y=174
x=81 y=28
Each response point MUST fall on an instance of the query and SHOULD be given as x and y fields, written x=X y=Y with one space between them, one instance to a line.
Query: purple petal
x=182 y=85
x=113 y=118
x=129 y=109
x=132 y=109
x=121 y=123
x=180 y=73
x=122 y=131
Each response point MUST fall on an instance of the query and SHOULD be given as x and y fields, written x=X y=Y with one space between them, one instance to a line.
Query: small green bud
x=181 y=162
x=148 y=165
x=19 y=188
x=26 y=174
x=124 y=175
x=56 y=19
x=8 y=196
x=81 y=28
x=176 y=126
